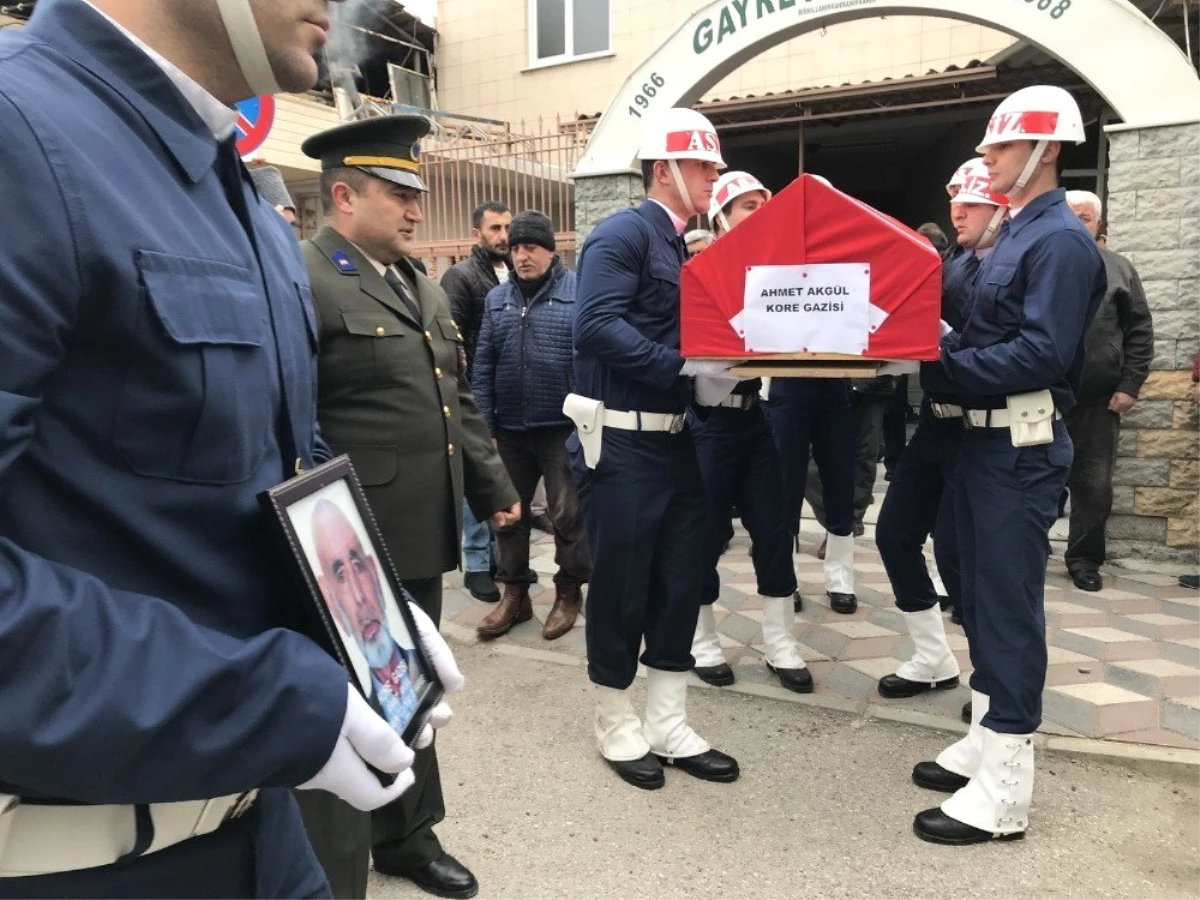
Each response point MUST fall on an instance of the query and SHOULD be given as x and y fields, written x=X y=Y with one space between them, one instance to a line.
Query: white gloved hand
x=365 y=738
x=447 y=672
x=898 y=367
x=693 y=367
x=712 y=389
x=944 y=328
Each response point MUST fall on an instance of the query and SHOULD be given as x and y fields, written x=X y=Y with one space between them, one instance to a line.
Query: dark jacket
x=523 y=367
x=467 y=284
x=1120 y=340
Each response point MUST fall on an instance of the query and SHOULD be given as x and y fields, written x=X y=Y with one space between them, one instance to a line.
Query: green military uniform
x=393 y=394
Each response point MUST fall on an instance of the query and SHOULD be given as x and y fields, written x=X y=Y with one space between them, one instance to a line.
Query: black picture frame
x=325 y=511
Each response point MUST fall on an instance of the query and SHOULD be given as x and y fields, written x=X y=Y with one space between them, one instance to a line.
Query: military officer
x=1015 y=366
x=739 y=464
x=920 y=501
x=634 y=463
x=393 y=394
x=156 y=374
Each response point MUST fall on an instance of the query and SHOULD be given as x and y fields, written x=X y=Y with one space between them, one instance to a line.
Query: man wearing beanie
x=268 y=181
x=522 y=375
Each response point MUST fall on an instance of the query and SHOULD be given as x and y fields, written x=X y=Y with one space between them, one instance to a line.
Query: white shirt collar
x=680 y=224
x=216 y=115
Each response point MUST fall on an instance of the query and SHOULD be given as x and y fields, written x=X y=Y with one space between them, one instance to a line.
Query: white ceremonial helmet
x=977 y=188
x=681 y=133
x=248 y=46
x=956 y=180
x=1040 y=113
x=728 y=188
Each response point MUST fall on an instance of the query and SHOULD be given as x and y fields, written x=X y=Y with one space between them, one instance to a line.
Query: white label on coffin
x=822 y=308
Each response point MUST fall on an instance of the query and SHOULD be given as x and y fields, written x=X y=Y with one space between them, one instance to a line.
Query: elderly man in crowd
x=1117 y=354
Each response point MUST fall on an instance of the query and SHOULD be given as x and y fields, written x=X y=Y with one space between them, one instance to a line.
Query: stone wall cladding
x=599 y=196
x=1154 y=220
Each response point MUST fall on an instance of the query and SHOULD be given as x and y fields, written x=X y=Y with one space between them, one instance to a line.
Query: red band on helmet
x=685 y=141
x=746 y=184
x=1019 y=123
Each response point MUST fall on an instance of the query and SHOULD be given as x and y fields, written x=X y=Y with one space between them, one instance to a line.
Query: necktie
x=397 y=284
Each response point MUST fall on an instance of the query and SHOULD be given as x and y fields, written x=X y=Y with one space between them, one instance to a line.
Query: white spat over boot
x=932 y=667
x=839 y=573
x=622 y=744
x=671 y=738
x=781 y=647
x=956 y=764
x=711 y=666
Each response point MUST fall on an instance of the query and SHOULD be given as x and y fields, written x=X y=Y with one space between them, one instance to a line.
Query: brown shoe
x=567 y=600
x=514 y=607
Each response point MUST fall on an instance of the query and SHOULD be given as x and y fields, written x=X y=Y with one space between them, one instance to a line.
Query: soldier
x=393 y=394
x=634 y=462
x=739 y=464
x=1015 y=366
x=156 y=375
x=920 y=501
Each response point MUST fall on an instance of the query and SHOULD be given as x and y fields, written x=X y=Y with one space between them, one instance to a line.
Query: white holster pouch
x=1031 y=418
x=588 y=416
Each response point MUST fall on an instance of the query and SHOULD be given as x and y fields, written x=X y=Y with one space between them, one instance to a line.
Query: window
x=565 y=30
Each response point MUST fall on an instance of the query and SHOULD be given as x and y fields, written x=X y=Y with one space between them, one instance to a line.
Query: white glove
x=944 y=328
x=705 y=367
x=365 y=738
x=898 y=367
x=447 y=672
x=712 y=389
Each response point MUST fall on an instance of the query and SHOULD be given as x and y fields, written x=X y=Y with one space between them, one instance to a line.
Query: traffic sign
x=255 y=118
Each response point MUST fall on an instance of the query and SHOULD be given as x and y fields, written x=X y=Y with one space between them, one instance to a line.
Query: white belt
x=945 y=410
x=643 y=421
x=992 y=418
x=44 y=839
x=740 y=401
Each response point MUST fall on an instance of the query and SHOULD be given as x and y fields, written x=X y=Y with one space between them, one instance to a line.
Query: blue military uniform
x=643 y=504
x=156 y=374
x=1032 y=301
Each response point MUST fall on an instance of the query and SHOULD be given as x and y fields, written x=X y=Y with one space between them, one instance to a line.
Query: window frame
x=569 y=38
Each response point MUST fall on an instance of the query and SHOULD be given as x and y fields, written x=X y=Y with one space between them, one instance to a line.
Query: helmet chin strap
x=682 y=188
x=1030 y=167
x=721 y=217
x=248 y=46
x=992 y=228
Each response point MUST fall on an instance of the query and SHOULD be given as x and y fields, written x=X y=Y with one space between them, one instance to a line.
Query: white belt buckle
x=243 y=803
x=676 y=424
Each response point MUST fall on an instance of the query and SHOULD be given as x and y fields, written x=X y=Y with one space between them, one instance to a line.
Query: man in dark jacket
x=1117 y=354
x=467 y=284
x=522 y=375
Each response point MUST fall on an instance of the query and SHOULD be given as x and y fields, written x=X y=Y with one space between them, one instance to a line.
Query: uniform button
x=446 y=411
x=437 y=372
x=450 y=449
x=429 y=335
x=453 y=323
x=380 y=331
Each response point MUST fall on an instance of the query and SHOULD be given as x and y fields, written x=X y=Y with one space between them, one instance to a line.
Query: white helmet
x=248 y=46
x=977 y=185
x=728 y=188
x=681 y=133
x=1038 y=113
x=956 y=180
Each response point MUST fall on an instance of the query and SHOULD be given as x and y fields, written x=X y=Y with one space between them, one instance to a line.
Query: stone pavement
x=1124 y=663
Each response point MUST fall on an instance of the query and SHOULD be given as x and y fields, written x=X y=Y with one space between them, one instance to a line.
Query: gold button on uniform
x=380 y=331
x=450 y=449
x=437 y=371
x=429 y=335
x=446 y=411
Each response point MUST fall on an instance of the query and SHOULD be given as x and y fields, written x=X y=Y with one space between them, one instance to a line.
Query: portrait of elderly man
x=350 y=582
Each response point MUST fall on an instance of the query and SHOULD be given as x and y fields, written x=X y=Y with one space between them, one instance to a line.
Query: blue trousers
x=920 y=503
x=739 y=464
x=1006 y=499
x=264 y=853
x=647 y=525
x=476 y=542
x=814 y=415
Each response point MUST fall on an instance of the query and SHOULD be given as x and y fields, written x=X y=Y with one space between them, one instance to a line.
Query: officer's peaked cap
x=387 y=147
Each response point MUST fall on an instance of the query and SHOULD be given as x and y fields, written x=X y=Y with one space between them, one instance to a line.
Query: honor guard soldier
x=394 y=395
x=634 y=462
x=156 y=375
x=920 y=501
x=1015 y=367
x=740 y=465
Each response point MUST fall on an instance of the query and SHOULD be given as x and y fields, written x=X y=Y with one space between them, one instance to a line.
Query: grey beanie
x=268 y=181
x=531 y=227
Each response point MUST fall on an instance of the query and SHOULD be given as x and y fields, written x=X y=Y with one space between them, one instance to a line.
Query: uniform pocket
x=375 y=466
x=196 y=401
x=997 y=301
x=379 y=350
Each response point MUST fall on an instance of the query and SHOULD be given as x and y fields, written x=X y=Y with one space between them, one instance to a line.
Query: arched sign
x=255 y=118
x=1136 y=68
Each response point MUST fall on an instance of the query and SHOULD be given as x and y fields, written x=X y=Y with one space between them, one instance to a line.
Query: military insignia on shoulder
x=344 y=263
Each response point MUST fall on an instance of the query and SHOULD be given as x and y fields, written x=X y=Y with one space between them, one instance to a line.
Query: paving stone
x=739 y=627
x=1062 y=614
x=1106 y=643
x=1155 y=677
x=1182 y=650
x=876 y=668
x=849 y=682
x=1182 y=716
x=1183 y=607
x=1158 y=625
x=1159 y=736
x=1098 y=709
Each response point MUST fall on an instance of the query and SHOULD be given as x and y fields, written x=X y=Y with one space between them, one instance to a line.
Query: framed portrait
x=357 y=604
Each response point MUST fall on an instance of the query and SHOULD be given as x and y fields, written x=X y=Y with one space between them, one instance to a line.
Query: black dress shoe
x=797 y=680
x=965 y=712
x=480 y=586
x=444 y=877
x=933 y=777
x=935 y=826
x=717 y=676
x=944 y=602
x=842 y=603
x=956 y=615
x=645 y=773
x=894 y=686
x=797 y=601
x=712 y=765
x=1087 y=581
x=1189 y=581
